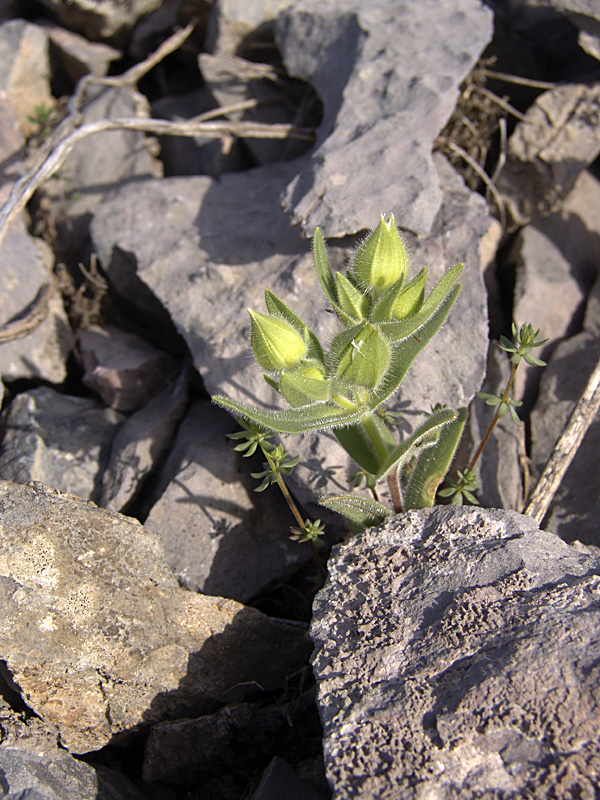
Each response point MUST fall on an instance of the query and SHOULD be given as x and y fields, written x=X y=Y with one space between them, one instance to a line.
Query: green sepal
x=432 y=463
x=358 y=444
x=300 y=390
x=365 y=512
x=439 y=295
x=326 y=277
x=318 y=416
x=272 y=383
x=278 y=308
x=365 y=359
x=407 y=298
x=352 y=301
x=426 y=434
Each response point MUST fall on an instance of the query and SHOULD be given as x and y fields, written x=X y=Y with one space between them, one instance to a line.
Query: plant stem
x=495 y=418
x=392 y=480
x=375 y=437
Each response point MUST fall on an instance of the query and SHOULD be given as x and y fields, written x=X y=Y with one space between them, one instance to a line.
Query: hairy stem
x=394 y=486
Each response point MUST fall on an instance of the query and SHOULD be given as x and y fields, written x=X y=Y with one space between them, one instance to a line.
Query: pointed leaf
x=301 y=389
x=409 y=296
x=433 y=462
x=323 y=269
x=278 y=308
x=319 y=416
x=358 y=444
x=358 y=509
x=352 y=301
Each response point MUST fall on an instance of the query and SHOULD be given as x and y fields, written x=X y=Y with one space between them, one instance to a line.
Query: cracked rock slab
x=97 y=636
x=456 y=655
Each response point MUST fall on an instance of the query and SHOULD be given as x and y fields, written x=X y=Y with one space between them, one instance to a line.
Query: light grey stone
x=456 y=655
x=58 y=440
x=97 y=637
x=141 y=442
x=109 y=19
x=220 y=536
x=388 y=76
x=25 y=73
x=232 y=21
x=124 y=369
x=219 y=244
x=77 y=56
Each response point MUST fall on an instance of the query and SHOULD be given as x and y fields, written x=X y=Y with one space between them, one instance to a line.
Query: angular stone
x=111 y=19
x=61 y=441
x=232 y=21
x=77 y=56
x=25 y=73
x=98 y=638
x=124 y=369
x=548 y=150
x=220 y=537
x=383 y=74
x=141 y=442
x=456 y=655
x=216 y=250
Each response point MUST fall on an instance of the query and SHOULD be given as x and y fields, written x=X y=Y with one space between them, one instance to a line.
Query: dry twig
x=565 y=449
x=30 y=318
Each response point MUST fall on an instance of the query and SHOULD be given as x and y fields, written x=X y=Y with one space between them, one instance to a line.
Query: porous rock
x=98 y=638
x=61 y=441
x=220 y=536
x=383 y=72
x=108 y=19
x=233 y=21
x=456 y=655
x=206 y=271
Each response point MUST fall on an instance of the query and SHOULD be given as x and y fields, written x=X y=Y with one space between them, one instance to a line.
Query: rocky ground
x=154 y=643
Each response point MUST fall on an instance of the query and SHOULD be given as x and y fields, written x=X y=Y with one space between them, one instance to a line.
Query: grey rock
x=442 y=644
x=206 y=270
x=124 y=369
x=141 y=442
x=220 y=536
x=98 y=638
x=28 y=774
x=584 y=14
x=383 y=71
x=25 y=73
x=77 y=56
x=548 y=150
x=111 y=19
x=58 y=440
x=279 y=780
x=232 y=21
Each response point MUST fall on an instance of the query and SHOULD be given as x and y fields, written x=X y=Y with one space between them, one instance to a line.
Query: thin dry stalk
x=565 y=449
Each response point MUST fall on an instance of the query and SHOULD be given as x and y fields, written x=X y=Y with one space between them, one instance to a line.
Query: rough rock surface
x=383 y=71
x=207 y=272
x=101 y=20
x=61 y=441
x=98 y=638
x=457 y=655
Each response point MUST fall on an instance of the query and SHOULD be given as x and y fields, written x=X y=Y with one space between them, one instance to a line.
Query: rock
x=97 y=637
x=30 y=775
x=220 y=537
x=443 y=642
x=25 y=266
x=58 y=440
x=548 y=150
x=233 y=21
x=206 y=271
x=547 y=294
x=25 y=74
x=124 y=369
x=584 y=15
x=368 y=65
x=111 y=19
x=78 y=57
x=141 y=443
x=279 y=780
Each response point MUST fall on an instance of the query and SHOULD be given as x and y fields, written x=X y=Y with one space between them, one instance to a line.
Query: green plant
x=386 y=321
x=520 y=348
x=41 y=118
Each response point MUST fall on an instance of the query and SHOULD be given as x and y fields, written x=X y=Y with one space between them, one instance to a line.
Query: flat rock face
x=388 y=76
x=457 y=655
x=98 y=638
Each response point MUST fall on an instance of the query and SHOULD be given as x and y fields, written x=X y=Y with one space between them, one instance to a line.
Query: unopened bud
x=277 y=345
x=382 y=259
x=366 y=359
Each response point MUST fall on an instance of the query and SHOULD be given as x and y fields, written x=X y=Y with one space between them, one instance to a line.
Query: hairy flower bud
x=366 y=359
x=382 y=259
x=277 y=345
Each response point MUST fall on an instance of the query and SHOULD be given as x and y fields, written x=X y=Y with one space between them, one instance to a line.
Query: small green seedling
x=386 y=322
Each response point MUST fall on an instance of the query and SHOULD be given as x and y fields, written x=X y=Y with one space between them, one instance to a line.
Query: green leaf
x=278 y=308
x=441 y=293
x=432 y=464
x=358 y=444
x=299 y=389
x=365 y=359
x=319 y=416
x=405 y=352
x=400 y=300
x=535 y=362
x=358 y=509
x=352 y=301
x=323 y=269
